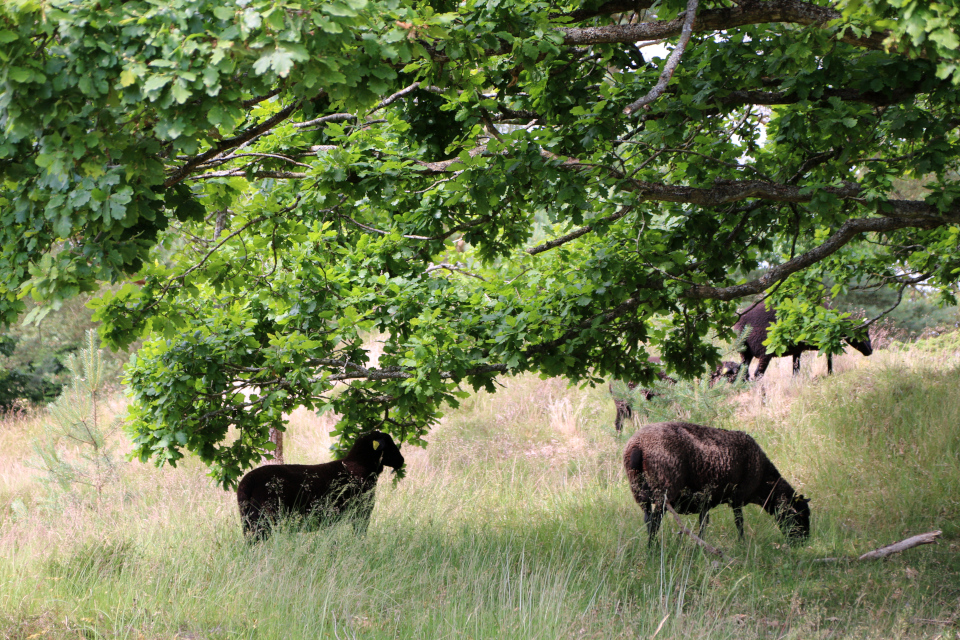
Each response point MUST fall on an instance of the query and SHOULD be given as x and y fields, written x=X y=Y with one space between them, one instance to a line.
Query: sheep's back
x=759 y=318
x=293 y=486
x=680 y=458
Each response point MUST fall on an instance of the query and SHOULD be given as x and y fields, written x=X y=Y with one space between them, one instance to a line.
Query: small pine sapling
x=75 y=450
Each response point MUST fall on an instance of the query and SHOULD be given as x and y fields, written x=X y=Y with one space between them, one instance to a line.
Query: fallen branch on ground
x=903 y=545
x=890 y=549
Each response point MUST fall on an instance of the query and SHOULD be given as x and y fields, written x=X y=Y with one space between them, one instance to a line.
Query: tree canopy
x=486 y=187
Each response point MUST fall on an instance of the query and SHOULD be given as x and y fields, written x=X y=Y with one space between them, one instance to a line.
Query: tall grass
x=516 y=522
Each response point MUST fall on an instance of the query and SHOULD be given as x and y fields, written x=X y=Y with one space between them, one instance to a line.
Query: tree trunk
x=276 y=437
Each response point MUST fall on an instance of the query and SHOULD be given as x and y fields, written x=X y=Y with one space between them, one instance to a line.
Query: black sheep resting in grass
x=695 y=468
x=324 y=492
x=759 y=318
x=726 y=370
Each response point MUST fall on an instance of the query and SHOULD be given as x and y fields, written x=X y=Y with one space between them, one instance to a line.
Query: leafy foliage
x=268 y=182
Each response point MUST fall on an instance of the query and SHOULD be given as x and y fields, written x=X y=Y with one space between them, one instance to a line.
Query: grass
x=516 y=522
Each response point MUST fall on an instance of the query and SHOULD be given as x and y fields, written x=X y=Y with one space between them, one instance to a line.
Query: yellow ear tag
x=376 y=443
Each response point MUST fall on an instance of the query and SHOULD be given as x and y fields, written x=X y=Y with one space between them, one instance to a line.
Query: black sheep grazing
x=322 y=491
x=695 y=468
x=624 y=410
x=759 y=318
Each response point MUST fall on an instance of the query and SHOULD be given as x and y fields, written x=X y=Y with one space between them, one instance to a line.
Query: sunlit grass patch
x=516 y=522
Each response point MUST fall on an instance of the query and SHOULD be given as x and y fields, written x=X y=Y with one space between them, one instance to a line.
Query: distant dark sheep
x=760 y=318
x=624 y=410
x=726 y=370
x=695 y=468
x=322 y=491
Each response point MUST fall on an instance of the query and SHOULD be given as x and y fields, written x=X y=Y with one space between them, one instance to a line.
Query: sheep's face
x=389 y=453
x=794 y=519
x=863 y=346
x=376 y=449
x=727 y=370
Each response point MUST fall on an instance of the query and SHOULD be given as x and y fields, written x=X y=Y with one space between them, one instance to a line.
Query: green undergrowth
x=516 y=522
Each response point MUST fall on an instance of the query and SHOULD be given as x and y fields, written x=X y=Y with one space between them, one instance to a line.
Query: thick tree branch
x=849 y=230
x=752 y=12
x=252 y=102
x=773 y=98
x=672 y=62
x=356 y=372
x=241 y=173
x=607 y=8
x=333 y=117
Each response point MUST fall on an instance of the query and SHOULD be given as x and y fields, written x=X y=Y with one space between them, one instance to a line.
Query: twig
x=382 y=232
x=573 y=235
x=903 y=285
x=182 y=172
x=903 y=545
x=706 y=545
x=453 y=267
x=672 y=62
x=396 y=96
x=659 y=626
x=333 y=117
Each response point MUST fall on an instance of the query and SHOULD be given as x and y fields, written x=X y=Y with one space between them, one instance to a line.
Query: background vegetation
x=33 y=356
x=516 y=522
x=497 y=187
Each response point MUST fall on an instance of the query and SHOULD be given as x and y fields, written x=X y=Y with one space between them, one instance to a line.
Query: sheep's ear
x=376 y=444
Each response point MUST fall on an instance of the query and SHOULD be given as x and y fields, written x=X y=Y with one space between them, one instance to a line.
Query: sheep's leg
x=762 y=363
x=738 y=519
x=653 y=524
x=256 y=526
x=704 y=520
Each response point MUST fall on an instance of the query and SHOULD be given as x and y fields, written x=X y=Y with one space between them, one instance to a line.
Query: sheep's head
x=380 y=448
x=794 y=518
x=863 y=346
x=727 y=370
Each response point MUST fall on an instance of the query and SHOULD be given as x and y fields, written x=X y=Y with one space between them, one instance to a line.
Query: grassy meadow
x=516 y=522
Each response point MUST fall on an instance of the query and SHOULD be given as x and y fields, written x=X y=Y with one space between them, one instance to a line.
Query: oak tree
x=486 y=187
